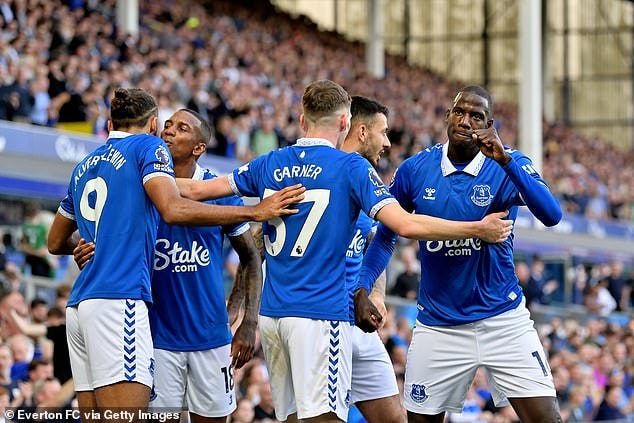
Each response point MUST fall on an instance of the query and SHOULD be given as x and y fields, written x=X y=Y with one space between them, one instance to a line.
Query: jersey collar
x=199 y=173
x=473 y=168
x=307 y=142
x=118 y=134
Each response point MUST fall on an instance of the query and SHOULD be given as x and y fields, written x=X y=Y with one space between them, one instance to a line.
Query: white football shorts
x=442 y=362
x=200 y=381
x=372 y=371
x=109 y=341
x=309 y=364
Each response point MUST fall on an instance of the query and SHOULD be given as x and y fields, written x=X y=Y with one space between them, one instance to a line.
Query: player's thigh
x=170 y=380
x=78 y=353
x=279 y=367
x=210 y=391
x=441 y=364
x=118 y=341
x=514 y=357
x=320 y=353
x=383 y=410
x=372 y=371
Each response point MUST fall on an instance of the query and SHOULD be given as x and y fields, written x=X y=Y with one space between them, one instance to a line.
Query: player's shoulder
x=429 y=155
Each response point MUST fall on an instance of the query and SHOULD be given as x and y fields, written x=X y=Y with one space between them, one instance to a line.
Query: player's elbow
x=552 y=218
x=56 y=245
x=405 y=228
x=170 y=215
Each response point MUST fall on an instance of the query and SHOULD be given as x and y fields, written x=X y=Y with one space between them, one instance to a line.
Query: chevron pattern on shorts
x=333 y=364
x=129 y=341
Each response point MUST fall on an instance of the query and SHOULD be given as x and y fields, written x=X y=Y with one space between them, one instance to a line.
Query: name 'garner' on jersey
x=305 y=252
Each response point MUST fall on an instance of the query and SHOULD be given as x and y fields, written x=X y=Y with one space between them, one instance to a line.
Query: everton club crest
x=482 y=195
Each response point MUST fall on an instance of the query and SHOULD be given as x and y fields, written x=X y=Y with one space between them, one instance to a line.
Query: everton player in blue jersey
x=188 y=320
x=471 y=307
x=374 y=389
x=304 y=316
x=114 y=198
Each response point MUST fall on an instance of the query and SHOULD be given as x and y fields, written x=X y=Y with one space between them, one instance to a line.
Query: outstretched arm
x=176 y=210
x=208 y=189
x=493 y=228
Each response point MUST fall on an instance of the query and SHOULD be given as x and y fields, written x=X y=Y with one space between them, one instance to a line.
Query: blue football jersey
x=189 y=311
x=462 y=280
x=305 y=271
x=354 y=255
x=107 y=199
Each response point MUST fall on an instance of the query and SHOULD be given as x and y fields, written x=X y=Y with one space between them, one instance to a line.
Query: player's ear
x=110 y=127
x=344 y=122
x=154 y=125
x=302 y=122
x=199 y=149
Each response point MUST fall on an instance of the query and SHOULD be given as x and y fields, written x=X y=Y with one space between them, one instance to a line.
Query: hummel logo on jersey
x=482 y=195
x=430 y=194
x=243 y=168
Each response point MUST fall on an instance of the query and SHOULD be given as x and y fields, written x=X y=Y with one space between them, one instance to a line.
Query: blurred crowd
x=60 y=60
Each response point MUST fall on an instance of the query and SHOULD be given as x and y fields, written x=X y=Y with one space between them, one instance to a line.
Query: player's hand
x=276 y=205
x=491 y=145
x=379 y=302
x=243 y=344
x=366 y=316
x=83 y=252
x=495 y=227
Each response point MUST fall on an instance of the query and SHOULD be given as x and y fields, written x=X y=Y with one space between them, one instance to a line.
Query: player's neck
x=327 y=135
x=462 y=153
x=349 y=146
x=185 y=170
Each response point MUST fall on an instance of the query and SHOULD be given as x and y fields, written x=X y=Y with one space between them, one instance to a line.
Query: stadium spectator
x=35 y=229
x=125 y=380
x=326 y=121
x=406 y=285
x=472 y=174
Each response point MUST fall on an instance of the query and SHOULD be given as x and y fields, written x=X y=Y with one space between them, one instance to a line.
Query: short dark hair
x=205 y=128
x=37 y=302
x=131 y=108
x=364 y=109
x=479 y=91
x=34 y=364
x=55 y=312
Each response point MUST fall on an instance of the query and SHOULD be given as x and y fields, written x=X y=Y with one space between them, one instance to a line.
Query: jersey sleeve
x=245 y=180
x=376 y=257
x=533 y=190
x=66 y=207
x=370 y=191
x=155 y=159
